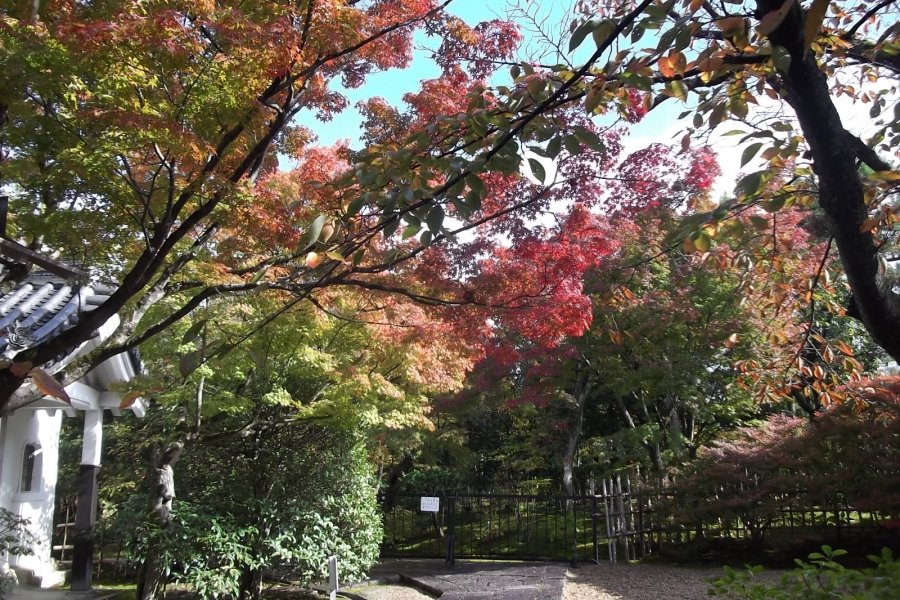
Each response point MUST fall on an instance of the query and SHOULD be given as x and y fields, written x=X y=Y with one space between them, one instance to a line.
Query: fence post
x=594 y=529
x=574 y=562
x=451 y=530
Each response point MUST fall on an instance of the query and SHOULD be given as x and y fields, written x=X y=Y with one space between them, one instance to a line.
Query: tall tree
x=711 y=55
x=135 y=135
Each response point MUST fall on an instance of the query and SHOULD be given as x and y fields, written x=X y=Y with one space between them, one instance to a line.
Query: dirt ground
x=390 y=592
x=641 y=582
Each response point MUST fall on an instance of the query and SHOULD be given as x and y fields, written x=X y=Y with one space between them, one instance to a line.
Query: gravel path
x=641 y=582
x=390 y=592
x=543 y=581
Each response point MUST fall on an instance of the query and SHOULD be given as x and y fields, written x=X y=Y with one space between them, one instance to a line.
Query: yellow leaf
x=678 y=89
x=665 y=67
x=869 y=224
x=702 y=242
x=814 y=17
x=730 y=24
x=678 y=61
x=885 y=176
x=48 y=385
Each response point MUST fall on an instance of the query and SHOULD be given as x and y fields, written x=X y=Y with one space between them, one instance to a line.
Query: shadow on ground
x=471 y=580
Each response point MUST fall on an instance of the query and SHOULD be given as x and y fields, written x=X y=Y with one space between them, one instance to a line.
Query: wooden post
x=594 y=529
x=86 y=511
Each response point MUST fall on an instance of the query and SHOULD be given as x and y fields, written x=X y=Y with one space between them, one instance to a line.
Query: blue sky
x=661 y=125
x=392 y=85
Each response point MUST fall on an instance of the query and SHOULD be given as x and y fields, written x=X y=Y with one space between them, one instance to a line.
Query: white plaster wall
x=24 y=427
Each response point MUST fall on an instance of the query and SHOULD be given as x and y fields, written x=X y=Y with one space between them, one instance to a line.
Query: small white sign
x=430 y=504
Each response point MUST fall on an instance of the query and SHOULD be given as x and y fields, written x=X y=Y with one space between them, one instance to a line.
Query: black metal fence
x=620 y=521
x=494 y=526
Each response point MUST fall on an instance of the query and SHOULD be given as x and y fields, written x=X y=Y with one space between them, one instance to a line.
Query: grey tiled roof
x=41 y=306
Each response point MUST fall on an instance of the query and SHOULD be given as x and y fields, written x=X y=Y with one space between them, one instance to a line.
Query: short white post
x=333 y=586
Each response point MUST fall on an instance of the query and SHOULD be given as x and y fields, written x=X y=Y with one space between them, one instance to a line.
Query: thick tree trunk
x=161 y=487
x=835 y=153
x=150 y=576
x=576 y=424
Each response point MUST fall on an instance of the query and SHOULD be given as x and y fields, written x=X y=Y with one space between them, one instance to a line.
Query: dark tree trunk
x=251 y=584
x=161 y=488
x=835 y=154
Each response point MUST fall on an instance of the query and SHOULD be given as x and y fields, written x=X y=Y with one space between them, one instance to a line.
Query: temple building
x=35 y=306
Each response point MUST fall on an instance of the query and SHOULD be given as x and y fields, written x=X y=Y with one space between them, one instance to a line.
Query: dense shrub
x=308 y=496
x=820 y=578
x=16 y=539
x=849 y=455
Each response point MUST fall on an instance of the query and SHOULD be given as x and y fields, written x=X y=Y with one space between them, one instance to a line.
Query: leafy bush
x=208 y=552
x=848 y=455
x=15 y=536
x=346 y=524
x=16 y=539
x=222 y=535
x=820 y=578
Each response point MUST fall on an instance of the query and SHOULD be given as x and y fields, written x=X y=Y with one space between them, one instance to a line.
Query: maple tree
x=164 y=119
x=139 y=139
x=339 y=380
x=711 y=57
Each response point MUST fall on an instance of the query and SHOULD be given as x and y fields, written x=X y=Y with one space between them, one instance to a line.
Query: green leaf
x=312 y=235
x=475 y=184
x=572 y=145
x=678 y=89
x=355 y=206
x=739 y=108
x=702 y=242
x=759 y=222
x=602 y=31
x=391 y=224
x=472 y=201
x=750 y=184
x=555 y=145
x=581 y=32
x=366 y=176
x=537 y=169
x=592 y=100
x=749 y=152
x=775 y=204
x=435 y=219
x=507 y=163
x=410 y=231
x=194 y=330
x=589 y=138
x=358 y=256
x=781 y=58
x=189 y=363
